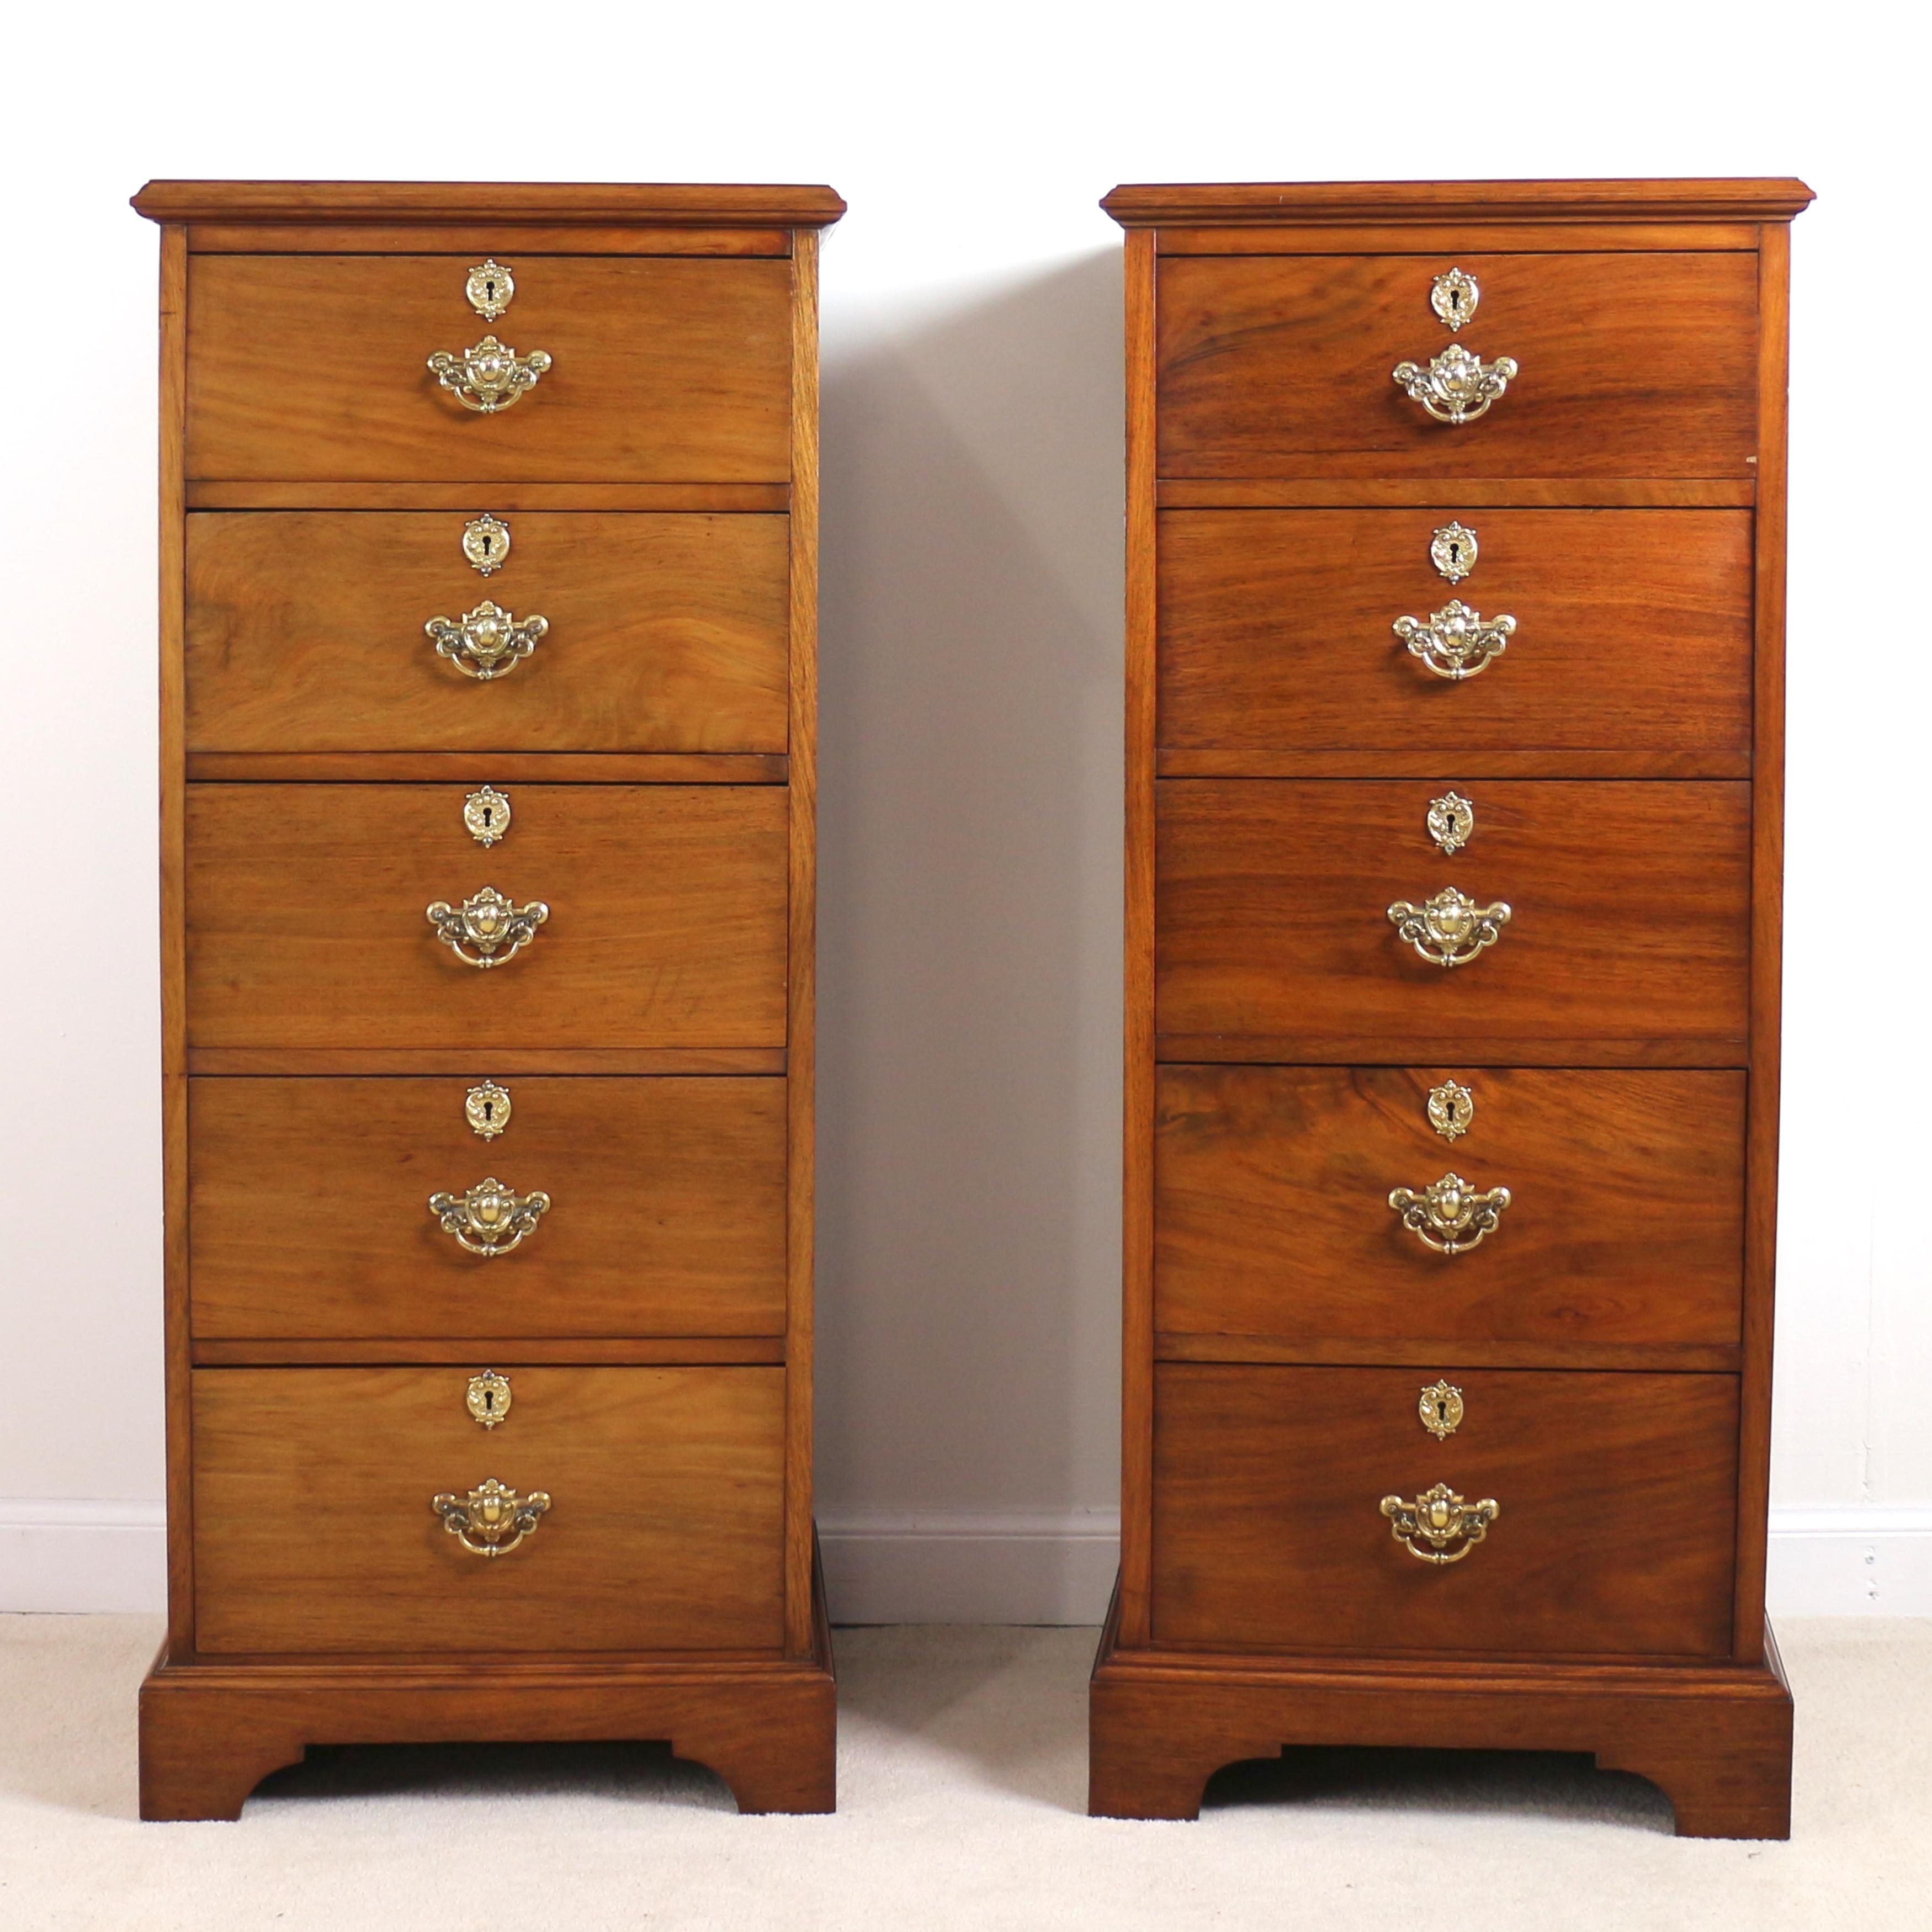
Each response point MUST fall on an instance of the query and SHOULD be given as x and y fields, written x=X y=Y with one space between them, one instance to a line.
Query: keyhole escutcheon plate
x=486 y=544
x=487 y=1397
x=487 y=1108
x=486 y=815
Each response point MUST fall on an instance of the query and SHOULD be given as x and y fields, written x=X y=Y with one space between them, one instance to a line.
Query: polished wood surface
x=461 y=204
x=704 y=1351
x=1634 y=631
x=477 y=240
x=1425 y=492
x=269 y=493
x=309 y=1202
x=1309 y=204
x=306 y=927
x=664 y=370
x=1631 y=365
x=1715 y=1738
x=505 y=767
x=1625 y=1222
x=306 y=633
x=1630 y=911
x=211 y=1731
x=314 y=1535
x=1615 y=1536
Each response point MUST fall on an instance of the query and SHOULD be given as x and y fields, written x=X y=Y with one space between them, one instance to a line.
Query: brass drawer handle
x=489 y=375
x=491 y=1520
x=494 y=926
x=1439 y=1517
x=490 y=1220
x=1454 y=642
x=1449 y=928
x=488 y=641
x=1456 y=387
x=1449 y=1215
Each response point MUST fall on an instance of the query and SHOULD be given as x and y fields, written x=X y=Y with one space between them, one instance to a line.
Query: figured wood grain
x=1625 y=1223
x=306 y=633
x=415 y=1350
x=1423 y=760
x=664 y=371
x=1767 y=969
x=802 y=983
x=505 y=767
x=1615 y=1537
x=1372 y=238
x=1137 y=1224
x=309 y=1199
x=1398 y=493
x=1630 y=903
x=306 y=926
x=505 y=495
x=171 y=594
x=1631 y=365
x=664 y=1530
x=506 y=1057
x=1633 y=632
x=1421 y=1350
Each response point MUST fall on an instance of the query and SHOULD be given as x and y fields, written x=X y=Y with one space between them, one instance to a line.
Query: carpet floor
x=962 y=1778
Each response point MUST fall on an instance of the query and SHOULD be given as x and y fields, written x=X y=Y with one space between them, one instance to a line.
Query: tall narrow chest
x=1456 y=519
x=489 y=542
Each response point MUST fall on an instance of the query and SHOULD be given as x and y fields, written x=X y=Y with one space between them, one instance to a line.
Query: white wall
x=971 y=675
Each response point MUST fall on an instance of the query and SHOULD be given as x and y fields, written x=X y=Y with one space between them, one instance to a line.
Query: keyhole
x=489 y=818
x=489 y=1110
x=487 y=541
x=490 y=1400
x=490 y=290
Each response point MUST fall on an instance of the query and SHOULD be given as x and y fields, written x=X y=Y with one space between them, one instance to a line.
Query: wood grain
x=1425 y=492
x=1421 y=238
x=801 y=942
x=1615 y=1538
x=306 y=926
x=507 y=1057
x=1629 y=905
x=1424 y=760
x=505 y=495
x=665 y=371
x=502 y=241
x=1631 y=365
x=309 y=1199
x=505 y=767
x=1421 y=1350
x=1625 y=1223
x=1715 y=1739
x=306 y=633
x=1137 y=1226
x=1633 y=632
x=1269 y=203
x=462 y=204
x=664 y=1531
x=413 y=1351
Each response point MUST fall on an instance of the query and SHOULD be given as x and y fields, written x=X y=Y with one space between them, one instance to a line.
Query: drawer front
x=1632 y=632
x=307 y=925
x=1615 y=1536
x=1628 y=912
x=310 y=1200
x=1629 y=365
x=306 y=632
x=314 y=1531
x=1624 y=1220
x=316 y=366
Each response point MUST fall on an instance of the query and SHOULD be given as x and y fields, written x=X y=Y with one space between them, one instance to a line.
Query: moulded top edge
x=1251 y=203
x=699 y=204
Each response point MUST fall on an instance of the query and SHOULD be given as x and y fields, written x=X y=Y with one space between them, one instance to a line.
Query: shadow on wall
x=970 y=911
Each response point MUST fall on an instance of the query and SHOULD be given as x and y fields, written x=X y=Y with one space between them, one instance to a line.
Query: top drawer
x=1628 y=365
x=316 y=367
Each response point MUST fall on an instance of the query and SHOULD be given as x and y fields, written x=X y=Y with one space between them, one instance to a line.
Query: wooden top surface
x=1251 y=203
x=657 y=204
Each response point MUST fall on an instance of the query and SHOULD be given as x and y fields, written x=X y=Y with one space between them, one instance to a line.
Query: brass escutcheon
x=489 y=287
x=487 y=1108
x=1440 y=1406
x=1452 y=1107
x=487 y=1397
x=486 y=544
x=1453 y=296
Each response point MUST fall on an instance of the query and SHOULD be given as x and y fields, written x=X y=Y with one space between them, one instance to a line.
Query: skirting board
x=1028 y=1566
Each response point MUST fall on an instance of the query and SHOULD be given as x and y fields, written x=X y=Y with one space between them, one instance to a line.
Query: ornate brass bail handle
x=1449 y=1215
x=488 y=929
x=1455 y=642
x=490 y=1220
x=1449 y=928
x=1439 y=1526
x=1456 y=387
x=486 y=642
x=492 y=1518
x=489 y=375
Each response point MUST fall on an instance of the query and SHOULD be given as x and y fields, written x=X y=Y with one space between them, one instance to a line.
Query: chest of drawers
x=489 y=574
x=1455 y=622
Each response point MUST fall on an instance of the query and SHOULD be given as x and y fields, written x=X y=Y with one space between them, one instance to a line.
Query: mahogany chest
x=489 y=528
x=1455 y=624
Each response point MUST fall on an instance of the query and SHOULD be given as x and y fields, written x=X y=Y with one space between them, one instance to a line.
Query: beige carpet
x=962 y=1777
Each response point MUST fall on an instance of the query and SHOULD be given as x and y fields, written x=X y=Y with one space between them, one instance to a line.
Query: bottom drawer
x=1614 y=1535
x=314 y=1530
